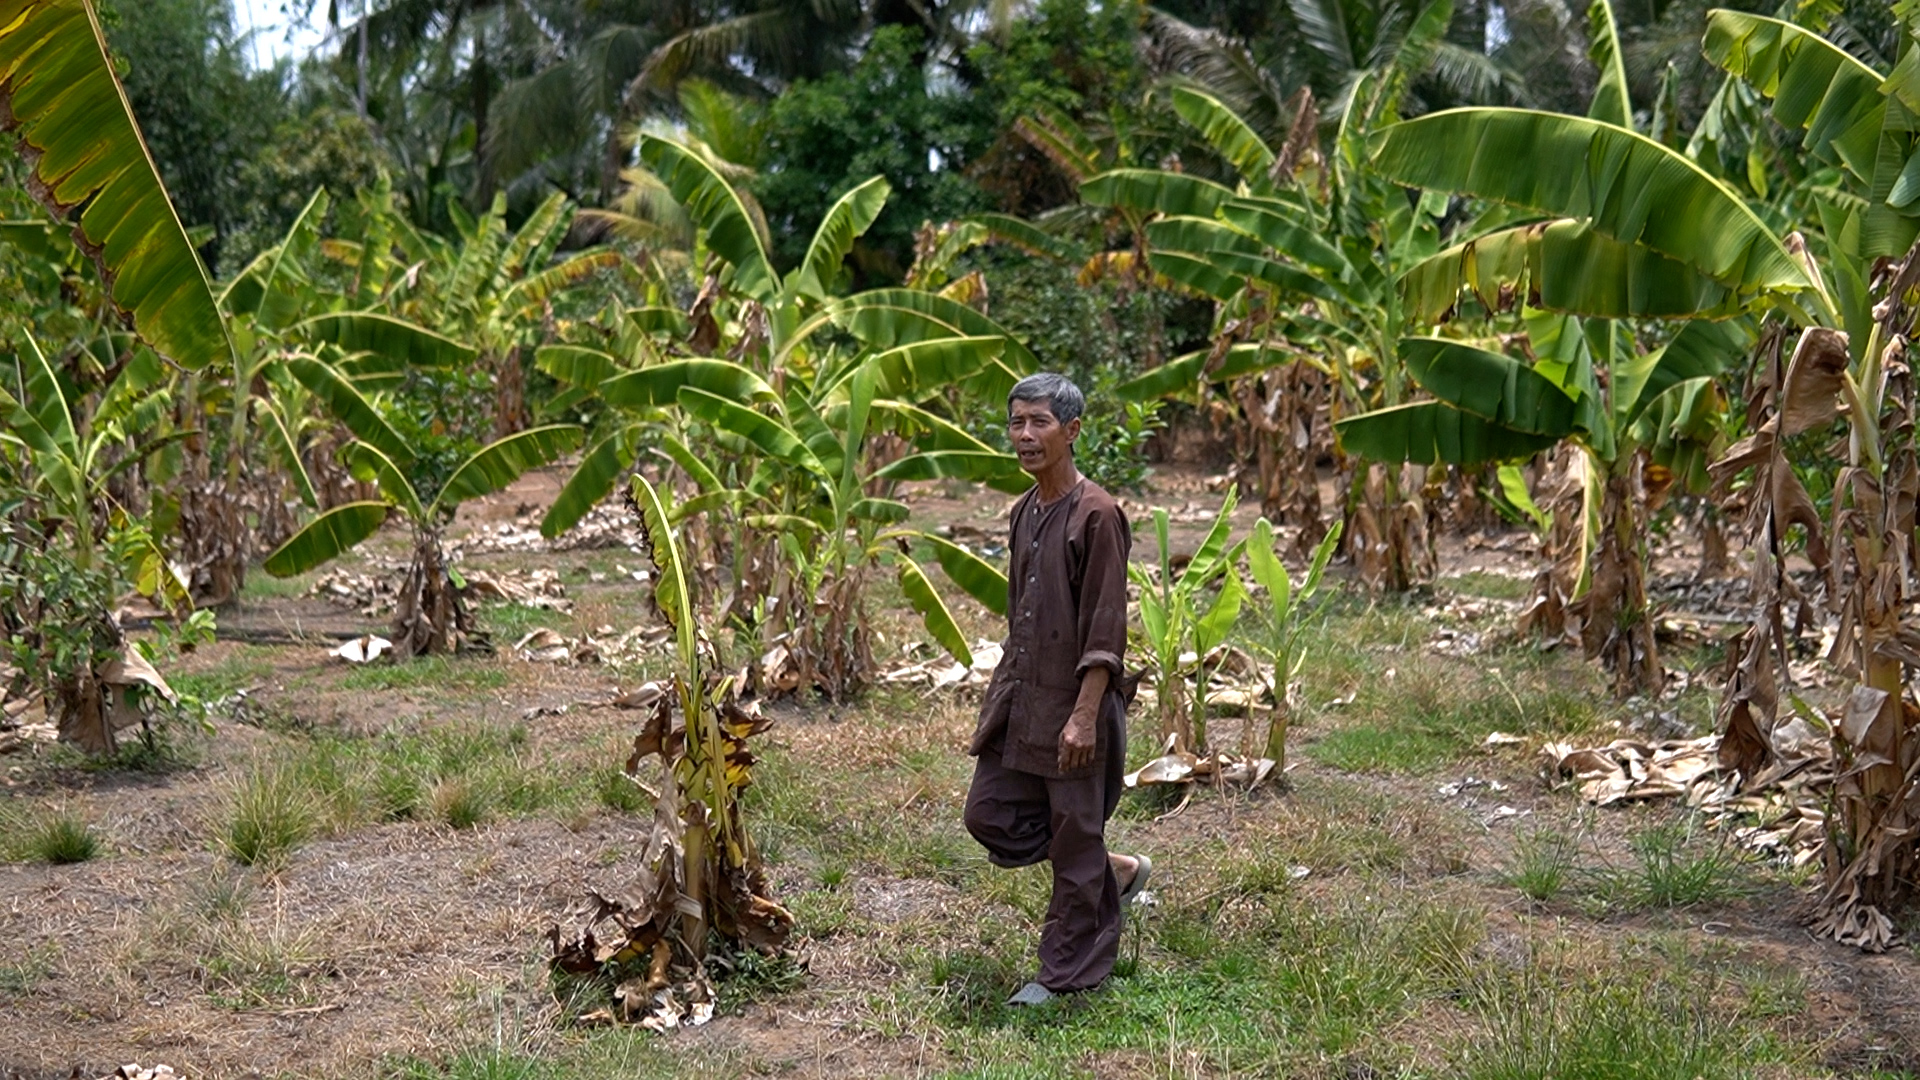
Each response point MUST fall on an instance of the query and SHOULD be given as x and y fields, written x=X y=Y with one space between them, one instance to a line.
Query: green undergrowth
x=57 y=836
x=327 y=784
x=1671 y=863
x=438 y=673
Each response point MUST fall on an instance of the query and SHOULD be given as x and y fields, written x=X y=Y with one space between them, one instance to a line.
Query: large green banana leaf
x=1201 y=273
x=976 y=576
x=885 y=318
x=850 y=216
x=1563 y=266
x=1434 y=433
x=920 y=369
x=592 y=481
x=59 y=95
x=773 y=438
x=1489 y=385
x=660 y=384
x=1278 y=225
x=576 y=365
x=1180 y=377
x=1700 y=350
x=999 y=471
x=715 y=206
x=500 y=463
x=1226 y=132
x=1180 y=240
x=383 y=335
x=928 y=430
x=1029 y=237
x=368 y=464
x=348 y=406
x=1155 y=190
x=1814 y=84
x=1630 y=187
x=326 y=538
x=933 y=611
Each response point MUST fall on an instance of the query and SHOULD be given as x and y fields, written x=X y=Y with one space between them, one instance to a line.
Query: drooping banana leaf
x=368 y=464
x=1225 y=251
x=716 y=207
x=1028 y=237
x=1489 y=385
x=1155 y=190
x=347 y=405
x=503 y=461
x=592 y=481
x=533 y=242
x=976 y=576
x=850 y=216
x=1700 y=350
x=1564 y=266
x=1180 y=377
x=1631 y=188
x=60 y=97
x=531 y=291
x=929 y=431
x=918 y=370
x=772 y=437
x=1434 y=433
x=933 y=611
x=576 y=365
x=1001 y=472
x=326 y=538
x=383 y=335
x=1814 y=84
x=1279 y=226
x=660 y=384
x=1226 y=132
x=885 y=318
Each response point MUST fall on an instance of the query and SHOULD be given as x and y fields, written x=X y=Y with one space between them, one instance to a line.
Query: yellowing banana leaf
x=326 y=538
x=885 y=318
x=1814 y=84
x=1226 y=132
x=348 y=406
x=526 y=295
x=660 y=384
x=500 y=463
x=1155 y=190
x=850 y=216
x=592 y=481
x=1434 y=433
x=976 y=576
x=388 y=337
x=1631 y=188
x=713 y=204
x=933 y=610
x=1001 y=472
x=59 y=95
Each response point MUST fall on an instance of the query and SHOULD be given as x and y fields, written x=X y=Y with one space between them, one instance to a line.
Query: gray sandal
x=1142 y=870
x=1031 y=994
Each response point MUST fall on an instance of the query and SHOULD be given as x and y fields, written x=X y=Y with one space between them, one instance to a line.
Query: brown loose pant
x=1022 y=819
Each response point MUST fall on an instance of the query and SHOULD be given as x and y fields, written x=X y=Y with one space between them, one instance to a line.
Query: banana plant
x=1283 y=621
x=1177 y=619
x=68 y=450
x=1854 y=379
x=432 y=616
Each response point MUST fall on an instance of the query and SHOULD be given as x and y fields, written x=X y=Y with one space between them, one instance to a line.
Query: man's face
x=1041 y=441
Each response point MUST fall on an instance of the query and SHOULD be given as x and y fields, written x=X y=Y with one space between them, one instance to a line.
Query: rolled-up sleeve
x=1105 y=543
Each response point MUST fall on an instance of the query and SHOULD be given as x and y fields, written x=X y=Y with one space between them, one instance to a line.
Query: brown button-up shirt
x=1066 y=613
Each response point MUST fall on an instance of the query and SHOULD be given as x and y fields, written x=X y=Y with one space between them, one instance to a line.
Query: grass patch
x=245 y=669
x=260 y=585
x=430 y=672
x=243 y=967
x=61 y=838
x=1490 y=586
x=1675 y=866
x=509 y=622
x=1542 y=863
x=270 y=813
x=22 y=976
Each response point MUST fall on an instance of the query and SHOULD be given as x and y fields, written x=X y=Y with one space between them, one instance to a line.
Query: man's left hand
x=1077 y=741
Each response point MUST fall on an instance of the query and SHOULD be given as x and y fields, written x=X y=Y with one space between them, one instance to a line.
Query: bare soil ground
x=406 y=947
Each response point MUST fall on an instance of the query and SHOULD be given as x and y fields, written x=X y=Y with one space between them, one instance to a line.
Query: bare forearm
x=1093 y=686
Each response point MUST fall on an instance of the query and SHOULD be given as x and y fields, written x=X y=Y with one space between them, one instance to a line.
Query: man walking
x=1051 y=742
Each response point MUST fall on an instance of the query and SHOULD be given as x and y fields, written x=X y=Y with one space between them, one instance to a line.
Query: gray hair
x=1062 y=397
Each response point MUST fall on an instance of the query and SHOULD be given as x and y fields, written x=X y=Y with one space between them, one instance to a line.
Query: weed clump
x=62 y=838
x=270 y=814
